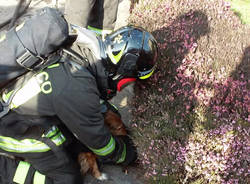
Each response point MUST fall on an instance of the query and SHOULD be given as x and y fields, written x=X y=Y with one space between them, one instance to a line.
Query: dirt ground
x=116 y=174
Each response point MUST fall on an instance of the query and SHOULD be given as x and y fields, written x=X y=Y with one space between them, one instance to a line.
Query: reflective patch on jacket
x=22 y=172
x=35 y=85
x=106 y=150
x=31 y=145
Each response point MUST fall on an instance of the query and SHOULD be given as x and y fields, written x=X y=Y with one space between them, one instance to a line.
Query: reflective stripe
x=99 y=31
x=3 y=37
x=29 y=90
x=102 y=102
x=39 y=178
x=27 y=145
x=53 y=130
x=147 y=76
x=31 y=145
x=123 y=156
x=6 y=96
x=21 y=172
x=59 y=139
x=54 y=65
x=115 y=58
x=20 y=26
x=114 y=106
x=109 y=148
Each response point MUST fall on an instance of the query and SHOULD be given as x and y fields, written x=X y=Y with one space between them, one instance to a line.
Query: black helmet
x=130 y=52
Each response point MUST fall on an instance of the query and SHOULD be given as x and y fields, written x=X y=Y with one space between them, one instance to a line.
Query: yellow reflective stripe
x=26 y=145
x=123 y=156
x=99 y=31
x=114 y=106
x=147 y=76
x=3 y=37
x=109 y=148
x=115 y=58
x=5 y=97
x=21 y=172
x=59 y=139
x=54 y=65
x=102 y=101
x=29 y=145
x=29 y=90
x=53 y=130
x=39 y=178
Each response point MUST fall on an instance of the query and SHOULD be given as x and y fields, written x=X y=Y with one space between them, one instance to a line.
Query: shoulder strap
x=69 y=54
x=5 y=106
x=72 y=56
x=27 y=59
x=63 y=55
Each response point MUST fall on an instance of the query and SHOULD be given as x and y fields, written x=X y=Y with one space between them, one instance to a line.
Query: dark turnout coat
x=71 y=92
x=64 y=93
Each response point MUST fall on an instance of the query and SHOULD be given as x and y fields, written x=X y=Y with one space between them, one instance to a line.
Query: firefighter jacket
x=71 y=93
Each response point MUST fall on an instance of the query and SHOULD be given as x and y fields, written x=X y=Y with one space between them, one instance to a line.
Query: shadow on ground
x=117 y=176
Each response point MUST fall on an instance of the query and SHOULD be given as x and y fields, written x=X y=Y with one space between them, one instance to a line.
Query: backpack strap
x=5 y=106
x=27 y=59
x=58 y=150
x=70 y=55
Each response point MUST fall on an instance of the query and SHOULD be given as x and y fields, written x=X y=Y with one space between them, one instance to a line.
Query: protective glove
x=129 y=155
x=125 y=152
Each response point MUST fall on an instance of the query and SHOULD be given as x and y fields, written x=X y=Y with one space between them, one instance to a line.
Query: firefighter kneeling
x=58 y=110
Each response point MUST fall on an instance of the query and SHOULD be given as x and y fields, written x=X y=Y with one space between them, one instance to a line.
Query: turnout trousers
x=99 y=14
x=34 y=160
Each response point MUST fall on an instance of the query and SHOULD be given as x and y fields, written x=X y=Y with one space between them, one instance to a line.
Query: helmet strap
x=124 y=82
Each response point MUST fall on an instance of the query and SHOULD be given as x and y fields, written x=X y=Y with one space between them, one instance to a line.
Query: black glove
x=131 y=152
x=119 y=156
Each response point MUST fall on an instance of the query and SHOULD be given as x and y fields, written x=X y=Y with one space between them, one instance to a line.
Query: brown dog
x=88 y=160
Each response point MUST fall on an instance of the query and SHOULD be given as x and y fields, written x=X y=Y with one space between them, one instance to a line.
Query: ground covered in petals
x=191 y=119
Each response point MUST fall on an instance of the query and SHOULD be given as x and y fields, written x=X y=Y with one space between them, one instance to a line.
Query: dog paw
x=103 y=177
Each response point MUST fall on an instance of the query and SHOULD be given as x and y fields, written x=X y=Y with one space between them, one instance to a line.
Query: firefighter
x=57 y=110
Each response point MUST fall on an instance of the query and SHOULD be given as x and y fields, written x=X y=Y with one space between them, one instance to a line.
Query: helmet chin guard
x=124 y=82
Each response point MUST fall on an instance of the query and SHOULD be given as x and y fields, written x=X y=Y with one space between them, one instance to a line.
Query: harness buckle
x=29 y=60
